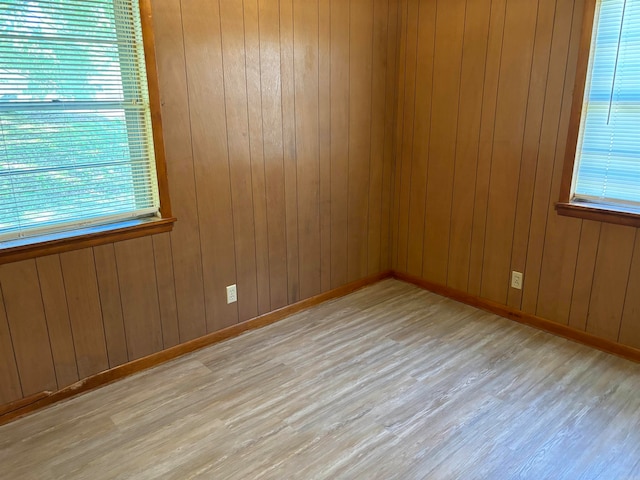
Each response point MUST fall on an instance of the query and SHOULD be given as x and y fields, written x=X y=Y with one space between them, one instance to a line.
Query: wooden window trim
x=599 y=213
x=37 y=246
x=567 y=206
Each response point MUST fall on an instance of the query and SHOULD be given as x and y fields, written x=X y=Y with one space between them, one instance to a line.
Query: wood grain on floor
x=388 y=382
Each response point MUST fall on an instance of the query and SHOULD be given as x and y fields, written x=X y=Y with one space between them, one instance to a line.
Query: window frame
x=31 y=247
x=611 y=213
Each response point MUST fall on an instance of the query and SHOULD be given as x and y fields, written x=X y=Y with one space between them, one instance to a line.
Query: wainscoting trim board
x=40 y=400
x=624 y=351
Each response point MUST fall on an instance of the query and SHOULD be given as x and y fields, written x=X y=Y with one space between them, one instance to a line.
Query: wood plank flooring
x=388 y=382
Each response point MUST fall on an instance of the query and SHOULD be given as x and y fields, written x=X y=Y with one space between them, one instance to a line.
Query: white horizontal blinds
x=608 y=155
x=76 y=145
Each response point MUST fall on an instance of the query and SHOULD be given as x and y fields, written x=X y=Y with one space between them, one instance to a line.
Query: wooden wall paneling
x=340 y=23
x=139 y=294
x=236 y=108
x=10 y=389
x=515 y=71
x=450 y=28
x=203 y=56
x=28 y=325
x=289 y=145
x=360 y=63
x=585 y=265
x=562 y=235
x=556 y=304
x=85 y=314
x=111 y=304
x=547 y=146
x=532 y=131
x=405 y=139
x=378 y=106
x=474 y=58
x=271 y=103
x=306 y=88
x=166 y=289
x=57 y=316
x=611 y=278
x=256 y=142
x=485 y=148
x=403 y=11
x=324 y=139
x=185 y=237
x=296 y=133
x=630 y=327
x=421 y=136
x=391 y=103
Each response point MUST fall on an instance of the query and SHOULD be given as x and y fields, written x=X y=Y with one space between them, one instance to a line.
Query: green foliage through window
x=75 y=129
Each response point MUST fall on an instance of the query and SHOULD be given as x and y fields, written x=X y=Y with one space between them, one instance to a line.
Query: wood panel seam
x=124 y=329
x=46 y=324
x=477 y=156
x=66 y=300
x=491 y=151
x=428 y=146
x=155 y=270
x=104 y=329
x=13 y=349
x=455 y=150
x=626 y=291
x=573 y=286
x=193 y=172
x=251 y=159
x=371 y=103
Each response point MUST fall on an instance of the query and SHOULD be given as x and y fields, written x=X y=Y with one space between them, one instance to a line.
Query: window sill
x=599 y=213
x=25 y=248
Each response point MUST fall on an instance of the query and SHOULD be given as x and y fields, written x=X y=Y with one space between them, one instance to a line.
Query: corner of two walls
x=484 y=97
x=313 y=143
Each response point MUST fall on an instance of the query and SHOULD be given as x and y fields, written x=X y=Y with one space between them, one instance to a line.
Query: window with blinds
x=76 y=143
x=607 y=167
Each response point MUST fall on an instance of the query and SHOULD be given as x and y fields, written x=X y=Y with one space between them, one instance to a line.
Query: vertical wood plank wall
x=278 y=121
x=314 y=142
x=485 y=89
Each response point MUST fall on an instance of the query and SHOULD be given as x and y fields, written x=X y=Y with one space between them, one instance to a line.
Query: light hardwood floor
x=388 y=382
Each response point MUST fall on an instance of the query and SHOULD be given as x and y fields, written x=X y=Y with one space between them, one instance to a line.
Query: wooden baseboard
x=624 y=351
x=40 y=400
x=23 y=403
x=36 y=402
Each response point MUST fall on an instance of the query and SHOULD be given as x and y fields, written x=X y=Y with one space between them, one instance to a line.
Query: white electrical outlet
x=516 y=280
x=232 y=294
